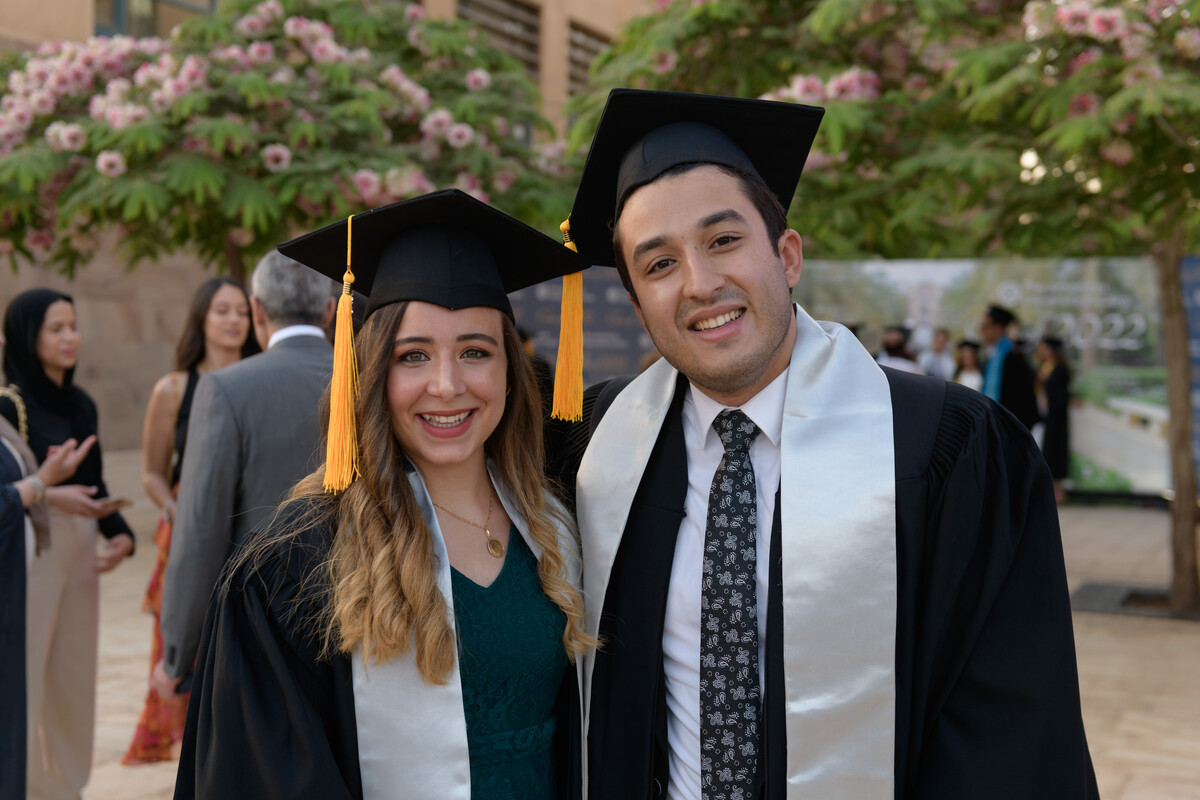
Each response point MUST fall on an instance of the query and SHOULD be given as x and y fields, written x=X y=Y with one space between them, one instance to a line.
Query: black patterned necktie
x=729 y=692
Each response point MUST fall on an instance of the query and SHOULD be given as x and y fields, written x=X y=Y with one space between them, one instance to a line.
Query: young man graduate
x=811 y=577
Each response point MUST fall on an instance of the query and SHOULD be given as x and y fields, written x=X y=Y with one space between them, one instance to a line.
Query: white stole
x=839 y=552
x=412 y=735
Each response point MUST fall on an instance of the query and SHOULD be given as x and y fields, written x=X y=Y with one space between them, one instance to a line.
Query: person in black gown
x=894 y=536
x=1054 y=400
x=406 y=631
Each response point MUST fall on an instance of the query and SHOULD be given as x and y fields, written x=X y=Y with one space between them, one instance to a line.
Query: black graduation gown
x=268 y=719
x=987 y=689
x=1056 y=440
x=1017 y=389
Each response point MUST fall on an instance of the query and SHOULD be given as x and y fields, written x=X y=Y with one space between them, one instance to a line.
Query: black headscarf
x=55 y=413
x=22 y=323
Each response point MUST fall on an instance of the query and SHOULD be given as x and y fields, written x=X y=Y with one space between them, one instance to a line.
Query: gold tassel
x=568 y=368
x=341 y=453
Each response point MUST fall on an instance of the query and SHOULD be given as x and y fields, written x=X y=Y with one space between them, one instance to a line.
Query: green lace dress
x=512 y=662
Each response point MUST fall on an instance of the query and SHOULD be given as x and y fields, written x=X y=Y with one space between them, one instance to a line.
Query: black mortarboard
x=445 y=248
x=643 y=134
x=1000 y=315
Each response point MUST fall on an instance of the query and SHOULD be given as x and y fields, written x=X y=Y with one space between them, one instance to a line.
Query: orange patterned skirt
x=161 y=724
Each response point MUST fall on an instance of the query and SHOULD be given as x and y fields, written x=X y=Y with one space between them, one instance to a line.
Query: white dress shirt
x=294 y=330
x=681 y=628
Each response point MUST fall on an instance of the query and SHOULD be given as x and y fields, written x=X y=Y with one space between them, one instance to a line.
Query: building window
x=147 y=17
x=584 y=47
x=511 y=26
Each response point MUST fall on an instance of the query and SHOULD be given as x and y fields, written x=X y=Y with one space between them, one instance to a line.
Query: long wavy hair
x=191 y=349
x=381 y=592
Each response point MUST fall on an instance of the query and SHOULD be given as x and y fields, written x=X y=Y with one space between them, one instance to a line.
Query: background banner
x=1105 y=311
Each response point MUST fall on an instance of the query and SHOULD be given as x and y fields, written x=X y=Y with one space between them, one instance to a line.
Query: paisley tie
x=729 y=691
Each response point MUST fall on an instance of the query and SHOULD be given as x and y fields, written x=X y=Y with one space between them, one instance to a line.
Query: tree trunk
x=1185 y=580
x=234 y=260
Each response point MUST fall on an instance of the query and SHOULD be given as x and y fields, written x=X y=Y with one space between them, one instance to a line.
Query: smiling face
x=58 y=340
x=446 y=384
x=227 y=323
x=710 y=289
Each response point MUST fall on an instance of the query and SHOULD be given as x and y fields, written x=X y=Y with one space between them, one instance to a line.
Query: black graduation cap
x=643 y=134
x=445 y=248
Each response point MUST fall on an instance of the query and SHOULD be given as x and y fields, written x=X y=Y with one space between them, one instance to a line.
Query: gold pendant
x=496 y=548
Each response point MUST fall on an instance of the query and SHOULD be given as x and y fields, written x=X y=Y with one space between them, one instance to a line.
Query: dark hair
x=1000 y=315
x=773 y=214
x=191 y=351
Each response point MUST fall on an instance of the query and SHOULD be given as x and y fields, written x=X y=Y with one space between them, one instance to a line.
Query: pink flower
x=413 y=37
x=392 y=77
x=276 y=157
x=1187 y=43
x=20 y=115
x=284 y=74
x=110 y=163
x=296 y=27
x=1082 y=105
x=42 y=103
x=503 y=180
x=478 y=80
x=6 y=247
x=817 y=160
x=326 y=51
x=64 y=137
x=269 y=10
x=853 y=84
x=368 y=184
x=1080 y=61
x=436 y=122
x=1073 y=17
x=1118 y=151
x=39 y=239
x=261 y=52
x=251 y=26
x=806 y=89
x=459 y=135
x=414 y=12
x=1107 y=24
x=500 y=126
x=467 y=181
x=97 y=106
x=665 y=62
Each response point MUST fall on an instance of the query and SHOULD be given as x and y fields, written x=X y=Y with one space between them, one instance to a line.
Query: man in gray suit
x=252 y=434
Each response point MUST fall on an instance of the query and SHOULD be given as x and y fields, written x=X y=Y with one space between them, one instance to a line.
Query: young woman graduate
x=403 y=627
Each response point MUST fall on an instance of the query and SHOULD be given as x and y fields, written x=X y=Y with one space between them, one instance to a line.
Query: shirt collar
x=294 y=330
x=764 y=409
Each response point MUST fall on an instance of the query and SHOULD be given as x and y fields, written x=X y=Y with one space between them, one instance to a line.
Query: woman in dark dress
x=215 y=335
x=40 y=355
x=407 y=635
x=1054 y=395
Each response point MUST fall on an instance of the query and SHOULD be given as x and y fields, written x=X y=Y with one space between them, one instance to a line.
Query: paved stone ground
x=1140 y=677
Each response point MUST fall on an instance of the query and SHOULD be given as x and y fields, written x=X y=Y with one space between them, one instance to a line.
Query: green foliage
x=930 y=163
x=261 y=121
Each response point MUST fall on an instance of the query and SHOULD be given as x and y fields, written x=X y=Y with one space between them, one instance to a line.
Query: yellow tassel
x=341 y=454
x=568 y=368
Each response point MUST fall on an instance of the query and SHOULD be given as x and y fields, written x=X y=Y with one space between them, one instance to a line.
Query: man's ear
x=330 y=310
x=257 y=313
x=791 y=253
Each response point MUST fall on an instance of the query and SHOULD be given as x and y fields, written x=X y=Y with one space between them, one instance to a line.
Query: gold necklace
x=494 y=546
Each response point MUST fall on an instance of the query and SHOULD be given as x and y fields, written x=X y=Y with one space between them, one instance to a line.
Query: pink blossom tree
x=970 y=127
x=257 y=122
